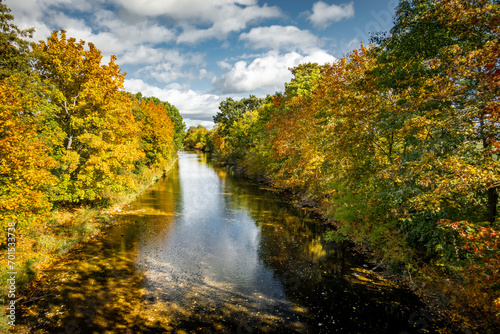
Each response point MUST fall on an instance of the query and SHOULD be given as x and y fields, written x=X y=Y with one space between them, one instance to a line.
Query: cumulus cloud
x=188 y=10
x=323 y=14
x=222 y=16
x=171 y=65
x=268 y=72
x=195 y=106
x=275 y=37
x=140 y=31
x=229 y=19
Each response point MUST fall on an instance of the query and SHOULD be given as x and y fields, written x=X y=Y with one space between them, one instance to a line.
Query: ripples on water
x=205 y=252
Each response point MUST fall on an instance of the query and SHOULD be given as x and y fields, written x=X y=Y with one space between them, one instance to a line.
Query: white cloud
x=202 y=11
x=135 y=32
x=268 y=72
x=224 y=65
x=275 y=37
x=323 y=15
x=36 y=8
x=192 y=105
x=165 y=65
x=222 y=16
x=230 y=18
x=141 y=55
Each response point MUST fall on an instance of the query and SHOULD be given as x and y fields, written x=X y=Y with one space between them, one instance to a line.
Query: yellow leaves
x=24 y=159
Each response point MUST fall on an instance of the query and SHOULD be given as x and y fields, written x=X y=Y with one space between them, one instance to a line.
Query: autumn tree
x=157 y=132
x=443 y=55
x=173 y=113
x=25 y=153
x=101 y=142
x=25 y=138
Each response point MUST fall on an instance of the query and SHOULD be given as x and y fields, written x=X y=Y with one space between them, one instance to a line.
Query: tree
x=199 y=138
x=157 y=133
x=101 y=135
x=13 y=46
x=173 y=113
x=25 y=153
x=231 y=111
x=444 y=55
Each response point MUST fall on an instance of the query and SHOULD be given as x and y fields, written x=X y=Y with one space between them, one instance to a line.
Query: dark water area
x=204 y=251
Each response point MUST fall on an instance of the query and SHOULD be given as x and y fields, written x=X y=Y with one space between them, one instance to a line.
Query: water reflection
x=205 y=252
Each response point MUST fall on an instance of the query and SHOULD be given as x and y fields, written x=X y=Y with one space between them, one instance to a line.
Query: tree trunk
x=70 y=141
x=492 y=204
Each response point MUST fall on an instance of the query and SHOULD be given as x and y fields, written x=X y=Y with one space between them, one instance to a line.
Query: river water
x=204 y=251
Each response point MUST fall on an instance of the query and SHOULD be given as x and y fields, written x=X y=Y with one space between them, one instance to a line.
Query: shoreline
x=100 y=221
x=440 y=293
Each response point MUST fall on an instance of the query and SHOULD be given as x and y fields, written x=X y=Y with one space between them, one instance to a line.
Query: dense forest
x=71 y=142
x=397 y=142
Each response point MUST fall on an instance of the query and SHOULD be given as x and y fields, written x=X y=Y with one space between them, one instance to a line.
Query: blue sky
x=196 y=53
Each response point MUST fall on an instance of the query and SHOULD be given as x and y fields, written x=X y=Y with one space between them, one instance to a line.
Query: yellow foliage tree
x=101 y=134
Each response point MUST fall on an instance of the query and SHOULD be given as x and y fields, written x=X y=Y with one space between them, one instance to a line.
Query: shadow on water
x=205 y=252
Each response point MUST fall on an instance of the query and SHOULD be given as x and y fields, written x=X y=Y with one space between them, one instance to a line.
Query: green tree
x=14 y=49
x=440 y=55
x=231 y=111
x=199 y=138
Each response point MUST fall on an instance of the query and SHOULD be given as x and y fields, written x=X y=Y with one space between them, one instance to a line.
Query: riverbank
x=448 y=297
x=65 y=230
x=254 y=249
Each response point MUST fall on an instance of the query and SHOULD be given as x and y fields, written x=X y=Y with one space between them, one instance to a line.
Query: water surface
x=206 y=252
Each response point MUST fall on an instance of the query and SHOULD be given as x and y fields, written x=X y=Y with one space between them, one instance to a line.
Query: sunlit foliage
x=199 y=138
x=397 y=142
x=70 y=138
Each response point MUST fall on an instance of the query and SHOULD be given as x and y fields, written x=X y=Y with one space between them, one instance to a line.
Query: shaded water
x=205 y=252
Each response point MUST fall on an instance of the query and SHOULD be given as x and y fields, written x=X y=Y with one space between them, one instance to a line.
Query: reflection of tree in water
x=125 y=283
x=203 y=304
x=326 y=280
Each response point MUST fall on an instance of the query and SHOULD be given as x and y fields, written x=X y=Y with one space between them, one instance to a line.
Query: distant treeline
x=397 y=142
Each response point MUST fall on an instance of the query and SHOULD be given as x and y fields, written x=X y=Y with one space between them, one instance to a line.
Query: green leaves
x=392 y=139
x=13 y=46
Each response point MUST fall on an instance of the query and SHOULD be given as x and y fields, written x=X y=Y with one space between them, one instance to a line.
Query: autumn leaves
x=70 y=135
x=395 y=141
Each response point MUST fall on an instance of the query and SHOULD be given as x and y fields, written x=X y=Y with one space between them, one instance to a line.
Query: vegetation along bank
x=398 y=143
x=72 y=143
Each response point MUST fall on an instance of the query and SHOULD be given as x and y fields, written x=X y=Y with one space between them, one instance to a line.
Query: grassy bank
x=64 y=229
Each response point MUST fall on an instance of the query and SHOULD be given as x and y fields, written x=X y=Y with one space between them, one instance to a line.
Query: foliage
x=157 y=131
x=482 y=246
x=25 y=162
x=199 y=138
x=99 y=150
x=172 y=112
x=231 y=111
x=393 y=139
x=13 y=46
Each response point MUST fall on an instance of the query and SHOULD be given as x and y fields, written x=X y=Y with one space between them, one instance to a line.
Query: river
x=203 y=251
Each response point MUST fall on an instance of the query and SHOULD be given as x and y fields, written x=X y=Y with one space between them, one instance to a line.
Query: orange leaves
x=483 y=243
x=24 y=153
x=102 y=138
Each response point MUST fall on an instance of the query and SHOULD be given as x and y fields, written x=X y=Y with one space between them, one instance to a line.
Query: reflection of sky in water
x=209 y=245
x=204 y=252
